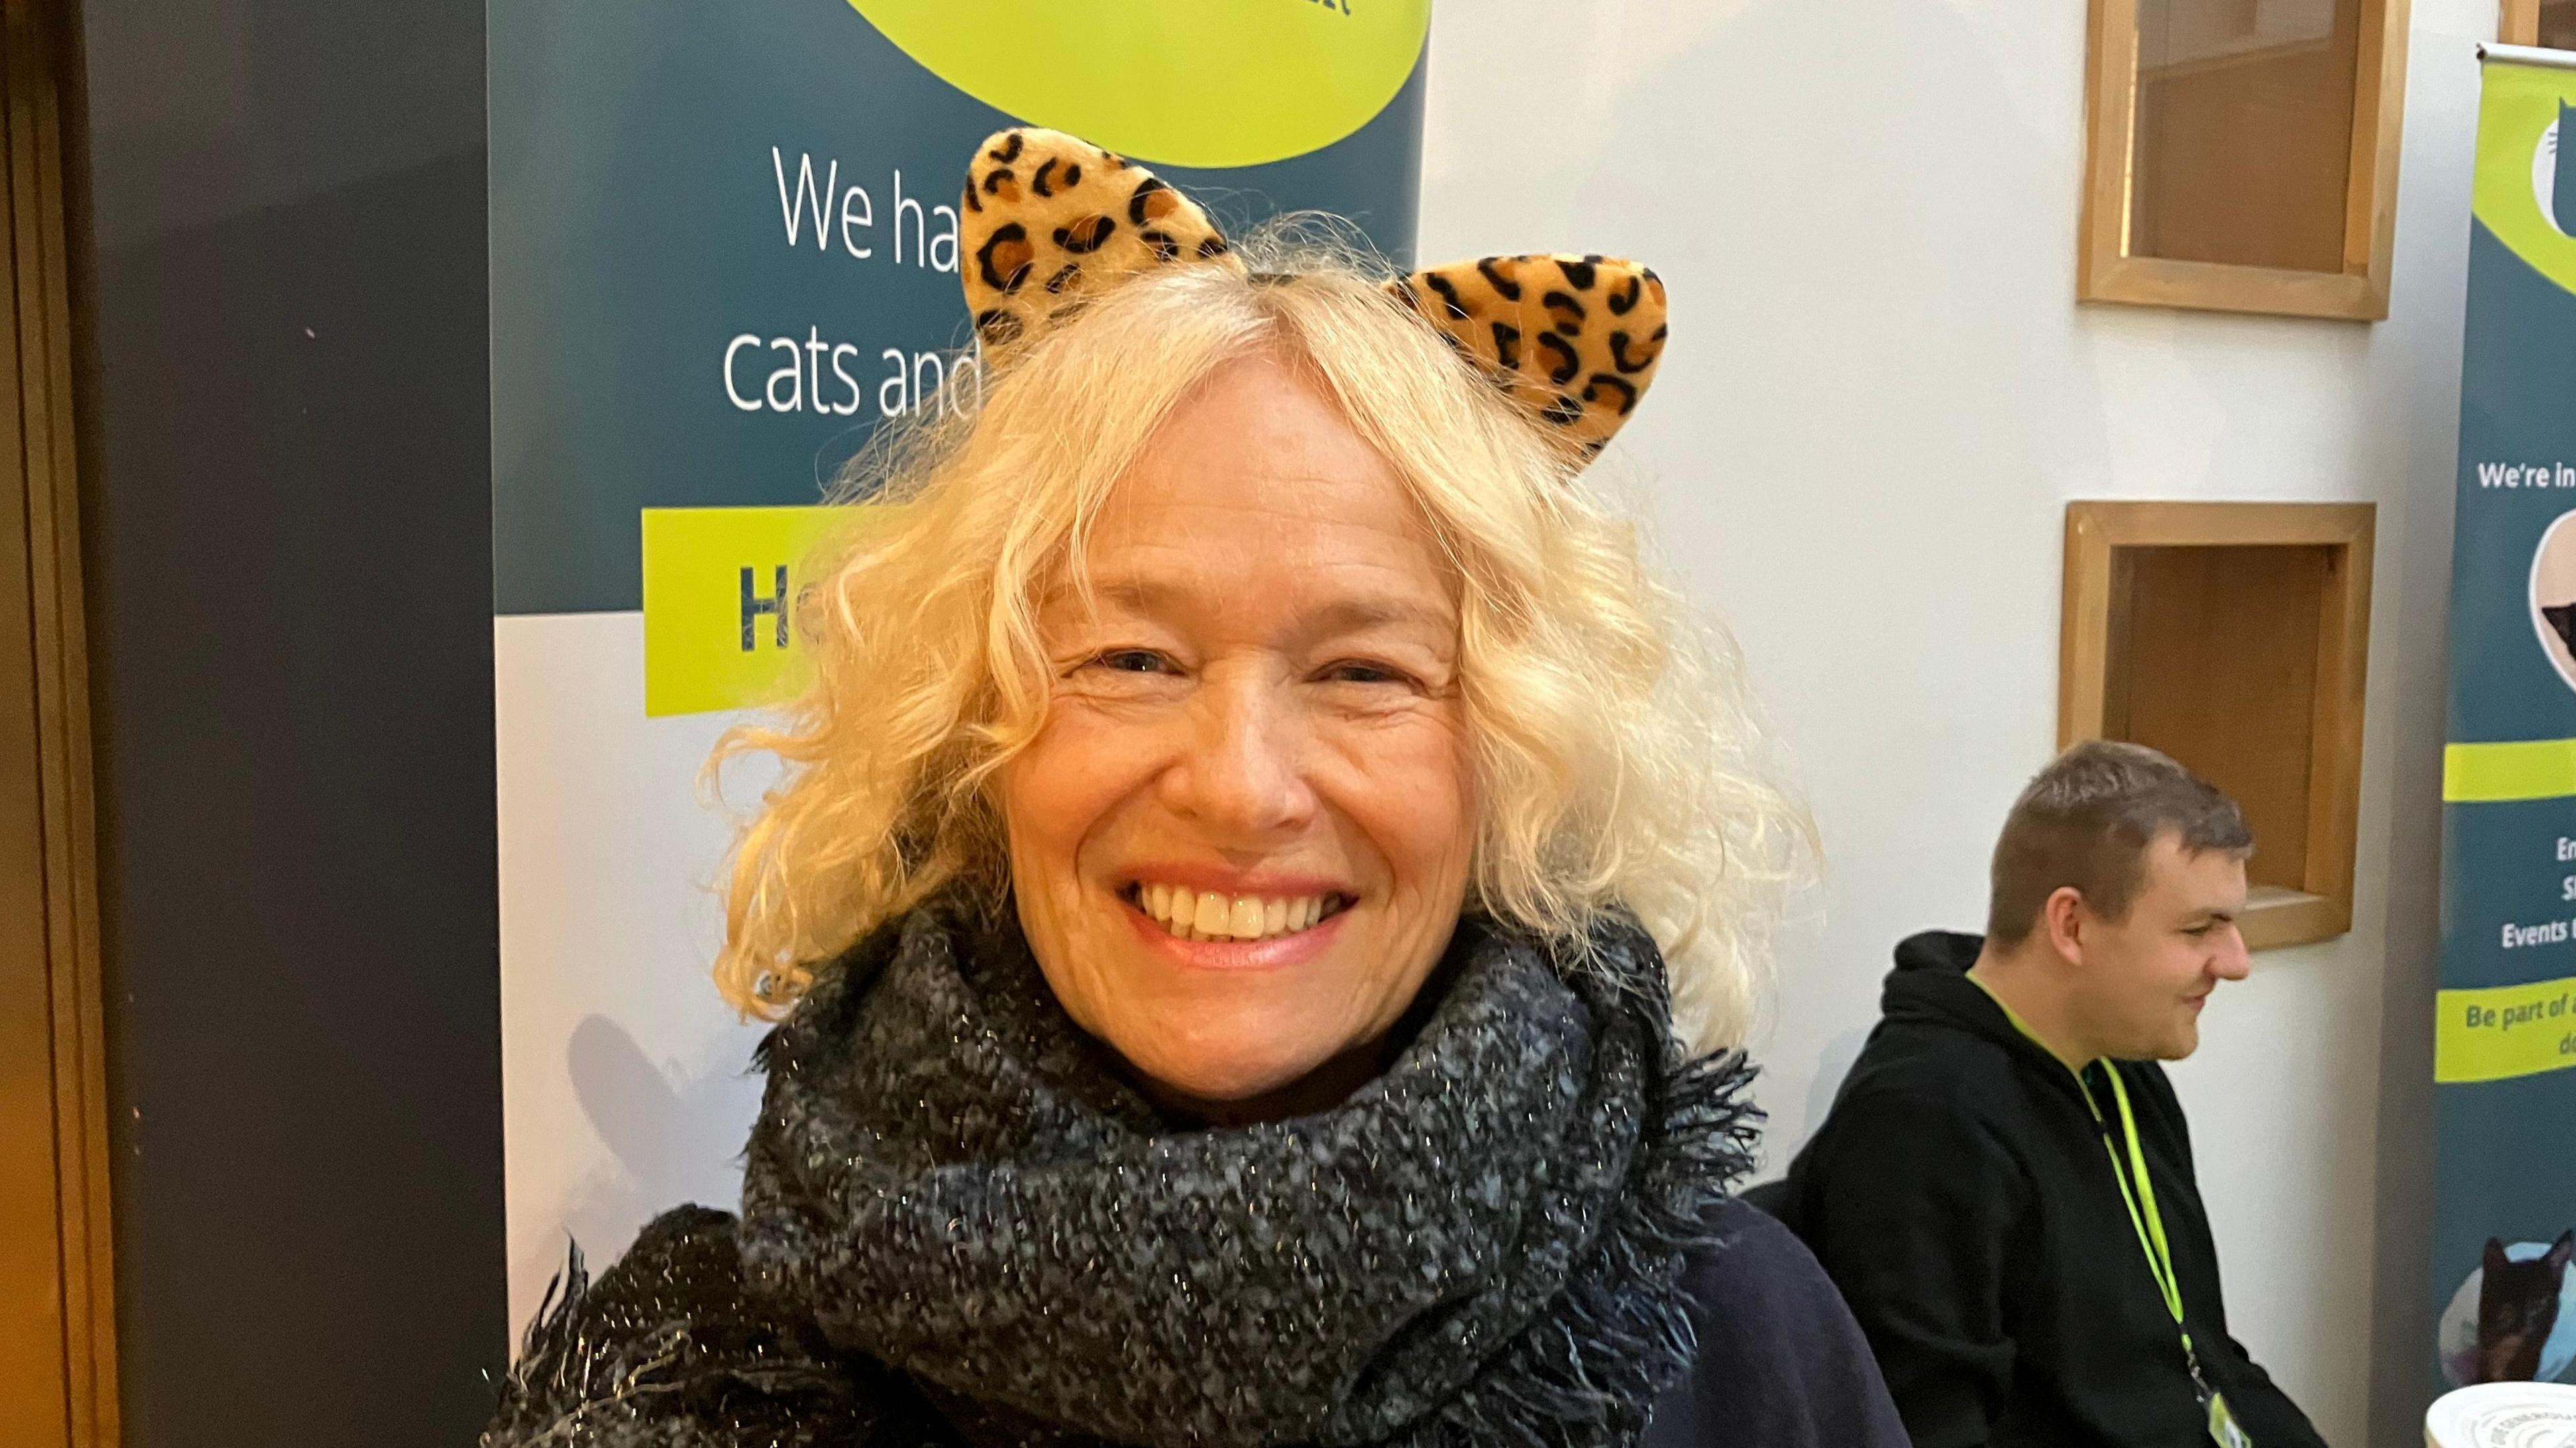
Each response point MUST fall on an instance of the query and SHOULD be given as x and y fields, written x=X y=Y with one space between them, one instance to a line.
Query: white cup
x=2503 y=1415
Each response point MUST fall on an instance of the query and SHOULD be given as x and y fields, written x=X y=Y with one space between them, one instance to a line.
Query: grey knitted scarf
x=959 y=1224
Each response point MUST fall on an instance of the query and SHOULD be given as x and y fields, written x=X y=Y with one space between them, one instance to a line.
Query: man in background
x=2003 y=1189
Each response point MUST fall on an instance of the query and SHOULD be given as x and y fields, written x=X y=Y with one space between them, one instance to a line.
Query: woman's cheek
x=1411 y=790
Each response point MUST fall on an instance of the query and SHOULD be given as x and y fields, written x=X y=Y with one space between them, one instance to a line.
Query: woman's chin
x=1225 y=1081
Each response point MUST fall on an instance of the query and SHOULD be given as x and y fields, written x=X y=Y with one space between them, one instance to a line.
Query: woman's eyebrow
x=1143 y=595
x=1347 y=614
x=1353 y=615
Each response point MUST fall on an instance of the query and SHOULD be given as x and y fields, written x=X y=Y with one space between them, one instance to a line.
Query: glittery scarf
x=1005 y=1244
x=1486 y=1239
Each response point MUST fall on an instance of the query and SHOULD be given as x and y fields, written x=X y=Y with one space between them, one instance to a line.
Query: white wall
x=626 y=1082
x=1878 y=397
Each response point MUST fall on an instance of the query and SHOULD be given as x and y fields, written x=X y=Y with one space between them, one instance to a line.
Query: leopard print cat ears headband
x=1049 y=219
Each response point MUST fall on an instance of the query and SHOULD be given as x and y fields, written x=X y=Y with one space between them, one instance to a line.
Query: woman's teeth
x=1207 y=915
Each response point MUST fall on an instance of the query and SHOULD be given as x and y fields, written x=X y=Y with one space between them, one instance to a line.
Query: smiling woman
x=1261 y=895
x=1210 y=435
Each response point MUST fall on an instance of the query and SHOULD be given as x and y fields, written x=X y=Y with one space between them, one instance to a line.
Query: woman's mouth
x=1187 y=914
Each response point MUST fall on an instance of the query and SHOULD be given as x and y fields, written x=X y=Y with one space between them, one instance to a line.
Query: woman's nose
x=1243 y=770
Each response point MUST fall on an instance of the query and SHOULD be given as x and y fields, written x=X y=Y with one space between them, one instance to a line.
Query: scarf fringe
x=1596 y=1361
x=588 y=1373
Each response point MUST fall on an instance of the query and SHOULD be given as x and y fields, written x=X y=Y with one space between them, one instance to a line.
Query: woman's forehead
x=1345 y=557
x=1259 y=433
x=1258 y=483
x=1288 y=573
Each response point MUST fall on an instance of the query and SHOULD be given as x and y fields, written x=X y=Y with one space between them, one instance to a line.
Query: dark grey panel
x=286 y=452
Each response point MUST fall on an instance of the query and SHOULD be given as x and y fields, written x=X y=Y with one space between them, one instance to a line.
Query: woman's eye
x=1133 y=661
x=1360 y=671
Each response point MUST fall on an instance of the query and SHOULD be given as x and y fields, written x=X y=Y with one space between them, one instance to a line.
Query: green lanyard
x=2138 y=1194
x=2141 y=1201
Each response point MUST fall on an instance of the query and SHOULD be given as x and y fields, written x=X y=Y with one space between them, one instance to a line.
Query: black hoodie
x=1960 y=1196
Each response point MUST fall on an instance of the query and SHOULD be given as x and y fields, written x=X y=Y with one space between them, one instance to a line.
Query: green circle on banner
x=2518 y=143
x=1209 y=83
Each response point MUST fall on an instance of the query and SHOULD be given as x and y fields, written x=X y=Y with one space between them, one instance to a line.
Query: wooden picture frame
x=2106 y=271
x=2235 y=637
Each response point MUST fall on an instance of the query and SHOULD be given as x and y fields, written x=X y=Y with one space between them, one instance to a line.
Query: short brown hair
x=2086 y=821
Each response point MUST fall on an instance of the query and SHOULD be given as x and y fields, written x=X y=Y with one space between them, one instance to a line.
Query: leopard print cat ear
x=1050 y=219
x=1574 y=338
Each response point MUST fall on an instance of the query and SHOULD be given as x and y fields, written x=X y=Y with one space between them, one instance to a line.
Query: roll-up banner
x=724 y=251
x=2505 y=1033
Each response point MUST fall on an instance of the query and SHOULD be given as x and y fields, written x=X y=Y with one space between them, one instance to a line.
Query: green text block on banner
x=720 y=589
x=2504 y=1031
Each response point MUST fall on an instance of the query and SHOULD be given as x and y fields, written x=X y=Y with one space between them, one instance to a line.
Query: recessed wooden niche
x=2241 y=155
x=2548 y=23
x=2234 y=637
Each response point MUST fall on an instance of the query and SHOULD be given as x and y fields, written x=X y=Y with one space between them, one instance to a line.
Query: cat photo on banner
x=2553 y=580
x=2511 y=1320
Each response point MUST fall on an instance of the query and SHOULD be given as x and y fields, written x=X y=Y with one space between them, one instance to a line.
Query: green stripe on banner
x=2522 y=769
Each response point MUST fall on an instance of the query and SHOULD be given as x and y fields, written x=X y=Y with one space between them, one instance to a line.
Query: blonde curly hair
x=1618 y=765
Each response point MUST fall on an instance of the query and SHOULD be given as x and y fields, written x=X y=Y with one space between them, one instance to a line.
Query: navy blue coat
x=1781 y=1362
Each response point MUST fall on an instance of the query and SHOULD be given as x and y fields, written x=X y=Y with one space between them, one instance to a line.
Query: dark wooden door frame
x=53 y=1117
